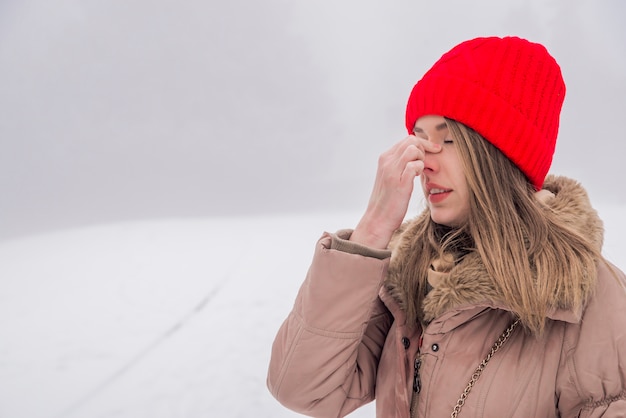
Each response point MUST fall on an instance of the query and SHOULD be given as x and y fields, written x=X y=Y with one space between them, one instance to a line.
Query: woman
x=495 y=301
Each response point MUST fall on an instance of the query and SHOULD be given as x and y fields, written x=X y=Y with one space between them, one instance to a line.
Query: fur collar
x=468 y=282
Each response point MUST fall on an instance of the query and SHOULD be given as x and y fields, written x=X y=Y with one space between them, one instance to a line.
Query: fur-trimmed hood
x=468 y=282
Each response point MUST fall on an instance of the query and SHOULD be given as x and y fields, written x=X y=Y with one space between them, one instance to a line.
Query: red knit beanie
x=509 y=90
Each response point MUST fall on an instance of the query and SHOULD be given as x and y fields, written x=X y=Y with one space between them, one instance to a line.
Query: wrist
x=371 y=234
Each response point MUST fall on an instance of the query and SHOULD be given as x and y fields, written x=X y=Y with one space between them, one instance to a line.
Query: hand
x=397 y=169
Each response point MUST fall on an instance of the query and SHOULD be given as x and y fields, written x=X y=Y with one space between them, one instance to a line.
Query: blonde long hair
x=533 y=257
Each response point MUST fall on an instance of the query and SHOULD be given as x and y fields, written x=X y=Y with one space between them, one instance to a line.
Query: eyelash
x=445 y=141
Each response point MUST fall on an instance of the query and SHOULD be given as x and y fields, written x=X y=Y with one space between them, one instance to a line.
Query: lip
x=439 y=196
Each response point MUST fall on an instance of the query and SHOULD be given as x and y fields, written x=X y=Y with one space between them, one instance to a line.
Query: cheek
x=464 y=204
x=423 y=184
x=458 y=174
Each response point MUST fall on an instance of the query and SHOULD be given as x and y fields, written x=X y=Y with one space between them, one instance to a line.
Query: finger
x=411 y=153
x=431 y=146
x=396 y=157
x=411 y=170
x=424 y=144
x=399 y=163
x=408 y=140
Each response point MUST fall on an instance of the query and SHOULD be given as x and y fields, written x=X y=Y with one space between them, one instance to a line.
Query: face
x=443 y=180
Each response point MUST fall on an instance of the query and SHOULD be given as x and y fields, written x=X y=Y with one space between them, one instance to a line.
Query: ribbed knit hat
x=509 y=90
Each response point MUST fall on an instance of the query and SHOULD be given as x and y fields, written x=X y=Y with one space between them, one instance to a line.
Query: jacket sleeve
x=325 y=356
x=593 y=381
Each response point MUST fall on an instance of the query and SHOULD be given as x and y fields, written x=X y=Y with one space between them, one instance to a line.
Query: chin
x=444 y=220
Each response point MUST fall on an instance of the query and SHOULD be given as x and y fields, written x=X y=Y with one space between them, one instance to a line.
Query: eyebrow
x=439 y=127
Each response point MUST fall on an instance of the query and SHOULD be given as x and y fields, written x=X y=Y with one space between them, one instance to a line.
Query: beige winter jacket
x=345 y=343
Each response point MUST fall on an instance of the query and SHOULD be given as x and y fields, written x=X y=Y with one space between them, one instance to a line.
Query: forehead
x=430 y=123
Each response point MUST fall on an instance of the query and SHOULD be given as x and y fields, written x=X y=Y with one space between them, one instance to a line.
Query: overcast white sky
x=134 y=109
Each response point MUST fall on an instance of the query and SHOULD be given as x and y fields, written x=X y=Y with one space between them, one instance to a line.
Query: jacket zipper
x=417 y=385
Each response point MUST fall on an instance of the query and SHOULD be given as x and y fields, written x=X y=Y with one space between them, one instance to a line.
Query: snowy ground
x=159 y=319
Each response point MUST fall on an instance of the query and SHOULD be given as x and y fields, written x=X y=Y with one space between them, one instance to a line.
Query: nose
x=431 y=162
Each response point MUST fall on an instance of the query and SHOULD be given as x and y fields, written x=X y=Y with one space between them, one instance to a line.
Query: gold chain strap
x=479 y=370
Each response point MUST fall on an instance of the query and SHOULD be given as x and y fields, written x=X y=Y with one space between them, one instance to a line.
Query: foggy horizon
x=137 y=110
